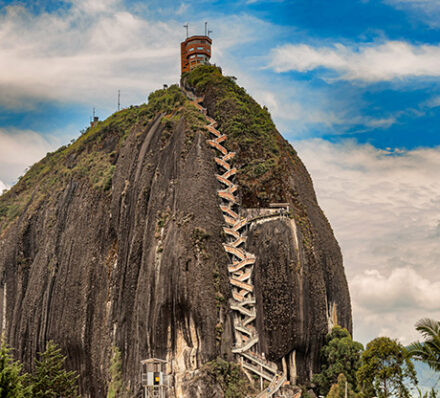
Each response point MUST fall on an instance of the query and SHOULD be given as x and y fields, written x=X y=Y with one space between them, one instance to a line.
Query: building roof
x=198 y=37
x=152 y=360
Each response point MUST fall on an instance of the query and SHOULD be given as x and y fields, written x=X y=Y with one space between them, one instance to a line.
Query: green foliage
x=50 y=379
x=117 y=388
x=427 y=351
x=166 y=100
x=229 y=376
x=250 y=129
x=386 y=370
x=338 y=390
x=339 y=355
x=13 y=384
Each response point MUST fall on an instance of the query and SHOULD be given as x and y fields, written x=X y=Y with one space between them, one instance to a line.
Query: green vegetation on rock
x=117 y=388
x=251 y=133
x=229 y=376
x=91 y=158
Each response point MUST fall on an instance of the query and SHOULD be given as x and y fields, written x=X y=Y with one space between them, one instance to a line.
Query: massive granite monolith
x=116 y=241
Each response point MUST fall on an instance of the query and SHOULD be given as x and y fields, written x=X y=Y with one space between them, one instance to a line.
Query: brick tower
x=195 y=50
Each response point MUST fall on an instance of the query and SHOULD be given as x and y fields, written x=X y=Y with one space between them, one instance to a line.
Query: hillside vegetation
x=263 y=153
x=92 y=157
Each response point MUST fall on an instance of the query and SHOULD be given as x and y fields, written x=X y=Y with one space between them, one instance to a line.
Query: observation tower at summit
x=195 y=50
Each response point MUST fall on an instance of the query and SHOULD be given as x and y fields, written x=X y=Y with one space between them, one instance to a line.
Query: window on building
x=191 y=49
x=193 y=56
x=200 y=48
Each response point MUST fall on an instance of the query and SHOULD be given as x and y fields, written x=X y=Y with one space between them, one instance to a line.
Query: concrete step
x=229 y=156
x=217 y=146
x=227 y=209
x=242 y=239
x=231 y=232
x=243 y=276
x=243 y=310
x=258 y=371
x=236 y=266
x=223 y=163
x=247 y=346
x=241 y=285
x=224 y=180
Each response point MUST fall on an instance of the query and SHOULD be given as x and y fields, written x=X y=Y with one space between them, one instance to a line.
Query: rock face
x=116 y=241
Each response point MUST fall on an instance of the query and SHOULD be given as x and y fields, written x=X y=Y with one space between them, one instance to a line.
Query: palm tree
x=427 y=351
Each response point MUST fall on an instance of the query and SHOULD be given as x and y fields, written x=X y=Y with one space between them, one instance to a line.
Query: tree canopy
x=339 y=355
x=386 y=370
x=338 y=390
x=50 y=379
x=13 y=384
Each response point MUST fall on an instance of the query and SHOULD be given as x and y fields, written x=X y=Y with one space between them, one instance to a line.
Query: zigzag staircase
x=240 y=268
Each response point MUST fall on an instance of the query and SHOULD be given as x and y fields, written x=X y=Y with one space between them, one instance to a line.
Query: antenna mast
x=206 y=28
x=119 y=100
x=186 y=26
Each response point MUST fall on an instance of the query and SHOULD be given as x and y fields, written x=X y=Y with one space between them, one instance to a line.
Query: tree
x=427 y=351
x=12 y=382
x=338 y=390
x=386 y=370
x=50 y=379
x=340 y=354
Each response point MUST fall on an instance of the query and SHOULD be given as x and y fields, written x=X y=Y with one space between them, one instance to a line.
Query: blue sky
x=354 y=85
x=385 y=110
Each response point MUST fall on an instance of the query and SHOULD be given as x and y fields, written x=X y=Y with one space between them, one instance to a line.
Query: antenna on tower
x=206 y=28
x=119 y=100
x=94 y=113
x=186 y=26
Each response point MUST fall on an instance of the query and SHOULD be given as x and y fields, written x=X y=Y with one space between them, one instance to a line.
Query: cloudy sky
x=353 y=84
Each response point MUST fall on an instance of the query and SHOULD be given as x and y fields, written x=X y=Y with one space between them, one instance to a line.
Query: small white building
x=154 y=379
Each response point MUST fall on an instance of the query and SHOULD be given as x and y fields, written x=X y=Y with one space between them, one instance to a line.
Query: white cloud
x=426 y=10
x=401 y=289
x=20 y=149
x=374 y=62
x=384 y=209
x=87 y=53
x=3 y=186
x=433 y=102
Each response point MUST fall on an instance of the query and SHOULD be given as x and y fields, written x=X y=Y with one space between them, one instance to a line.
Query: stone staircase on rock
x=240 y=268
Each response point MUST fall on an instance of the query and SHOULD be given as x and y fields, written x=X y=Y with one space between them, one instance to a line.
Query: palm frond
x=429 y=328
